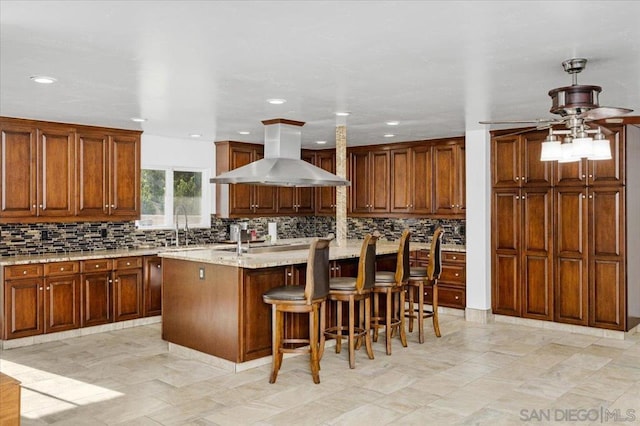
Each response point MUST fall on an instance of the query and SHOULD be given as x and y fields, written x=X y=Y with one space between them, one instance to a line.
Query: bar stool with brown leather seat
x=310 y=299
x=420 y=276
x=391 y=285
x=351 y=290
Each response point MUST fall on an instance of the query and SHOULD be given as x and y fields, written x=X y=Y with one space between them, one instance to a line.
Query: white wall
x=161 y=151
x=478 y=226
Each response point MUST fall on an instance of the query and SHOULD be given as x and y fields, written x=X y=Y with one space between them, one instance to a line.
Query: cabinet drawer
x=61 y=268
x=453 y=274
x=97 y=265
x=22 y=271
x=128 y=262
x=453 y=256
x=450 y=297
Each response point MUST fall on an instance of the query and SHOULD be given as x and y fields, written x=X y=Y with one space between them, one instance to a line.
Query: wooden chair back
x=435 y=255
x=367 y=264
x=403 y=265
x=317 y=285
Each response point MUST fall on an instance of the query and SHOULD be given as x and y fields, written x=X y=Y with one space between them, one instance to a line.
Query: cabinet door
x=152 y=286
x=287 y=201
x=571 y=174
x=265 y=197
x=537 y=253
x=506 y=234
x=505 y=161
x=18 y=171
x=378 y=180
x=23 y=308
x=326 y=195
x=359 y=175
x=401 y=180
x=93 y=173
x=240 y=198
x=97 y=300
x=125 y=176
x=570 y=294
x=127 y=294
x=62 y=303
x=305 y=197
x=534 y=172
x=56 y=172
x=256 y=313
x=607 y=295
x=444 y=179
x=421 y=166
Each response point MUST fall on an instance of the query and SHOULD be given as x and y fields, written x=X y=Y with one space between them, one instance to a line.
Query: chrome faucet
x=186 y=225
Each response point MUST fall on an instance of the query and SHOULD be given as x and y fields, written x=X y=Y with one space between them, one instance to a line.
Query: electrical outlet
x=103 y=233
x=201 y=273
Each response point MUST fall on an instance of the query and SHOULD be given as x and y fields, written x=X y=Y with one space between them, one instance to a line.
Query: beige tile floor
x=475 y=374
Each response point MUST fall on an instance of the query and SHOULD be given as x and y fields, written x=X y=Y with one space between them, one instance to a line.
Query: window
x=170 y=194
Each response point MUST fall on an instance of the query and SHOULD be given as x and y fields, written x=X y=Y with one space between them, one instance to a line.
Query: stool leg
x=339 y=328
x=276 y=341
x=367 y=326
x=421 y=312
x=434 y=305
x=352 y=326
x=411 y=315
x=313 y=343
x=388 y=327
x=323 y=327
x=403 y=332
x=375 y=321
x=360 y=323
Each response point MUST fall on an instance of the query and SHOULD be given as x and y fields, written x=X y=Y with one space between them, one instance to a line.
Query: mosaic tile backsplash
x=43 y=238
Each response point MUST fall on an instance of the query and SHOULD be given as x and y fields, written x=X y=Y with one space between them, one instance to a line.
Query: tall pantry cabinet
x=564 y=236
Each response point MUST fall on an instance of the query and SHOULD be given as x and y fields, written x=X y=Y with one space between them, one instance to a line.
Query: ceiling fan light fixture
x=601 y=148
x=568 y=155
x=582 y=147
x=551 y=149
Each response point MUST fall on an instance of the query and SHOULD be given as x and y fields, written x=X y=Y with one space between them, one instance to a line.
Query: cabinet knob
x=106 y=206
x=583 y=176
x=158 y=266
x=590 y=176
x=40 y=205
x=457 y=274
x=40 y=288
x=128 y=263
x=457 y=297
x=517 y=178
x=454 y=257
x=113 y=206
x=584 y=196
x=34 y=206
x=97 y=266
x=62 y=268
x=590 y=196
x=48 y=288
x=24 y=272
x=289 y=274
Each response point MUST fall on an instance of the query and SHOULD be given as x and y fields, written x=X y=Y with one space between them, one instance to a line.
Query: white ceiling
x=208 y=67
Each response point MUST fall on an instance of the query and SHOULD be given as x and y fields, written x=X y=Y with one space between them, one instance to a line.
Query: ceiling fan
x=577 y=105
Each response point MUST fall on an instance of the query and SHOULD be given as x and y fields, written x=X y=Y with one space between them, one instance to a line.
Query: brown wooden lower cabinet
x=152 y=286
x=452 y=282
x=45 y=300
x=10 y=397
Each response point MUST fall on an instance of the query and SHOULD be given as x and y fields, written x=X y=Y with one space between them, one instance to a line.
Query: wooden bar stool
x=391 y=286
x=419 y=277
x=309 y=299
x=351 y=290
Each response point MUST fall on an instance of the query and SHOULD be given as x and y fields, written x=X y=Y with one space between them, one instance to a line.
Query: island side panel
x=202 y=314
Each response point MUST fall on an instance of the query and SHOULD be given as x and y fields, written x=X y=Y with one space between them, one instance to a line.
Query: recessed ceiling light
x=389 y=135
x=392 y=123
x=343 y=113
x=43 y=79
x=138 y=119
x=321 y=142
x=276 y=101
x=244 y=132
x=195 y=135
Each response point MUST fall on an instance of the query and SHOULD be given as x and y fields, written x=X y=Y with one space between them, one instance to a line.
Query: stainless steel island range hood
x=281 y=165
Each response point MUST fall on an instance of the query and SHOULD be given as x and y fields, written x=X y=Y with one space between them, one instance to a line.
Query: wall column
x=341 y=191
x=478 y=225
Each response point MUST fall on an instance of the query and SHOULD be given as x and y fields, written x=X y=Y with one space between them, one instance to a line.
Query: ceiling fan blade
x=520 y=132
x=536 y=121
x=603 y=112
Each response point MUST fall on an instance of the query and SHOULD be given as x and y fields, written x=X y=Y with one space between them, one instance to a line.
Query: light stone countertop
x=215 y=253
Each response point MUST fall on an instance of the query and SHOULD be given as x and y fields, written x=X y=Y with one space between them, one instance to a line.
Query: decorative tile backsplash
x=42 y=238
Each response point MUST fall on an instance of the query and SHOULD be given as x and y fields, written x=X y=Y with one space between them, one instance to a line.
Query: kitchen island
x=212 y=298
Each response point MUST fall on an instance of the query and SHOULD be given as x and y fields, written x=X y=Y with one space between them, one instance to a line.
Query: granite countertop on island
x=221 y=253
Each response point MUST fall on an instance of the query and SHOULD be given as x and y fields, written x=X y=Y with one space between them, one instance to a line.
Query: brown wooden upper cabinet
x=411 y=180
x=326 y=195
x=242 y=200
x=516 y=160
x=297 y=200
x=369 y=176
x=37 y=170
x=449 y=178
x=63 y=172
